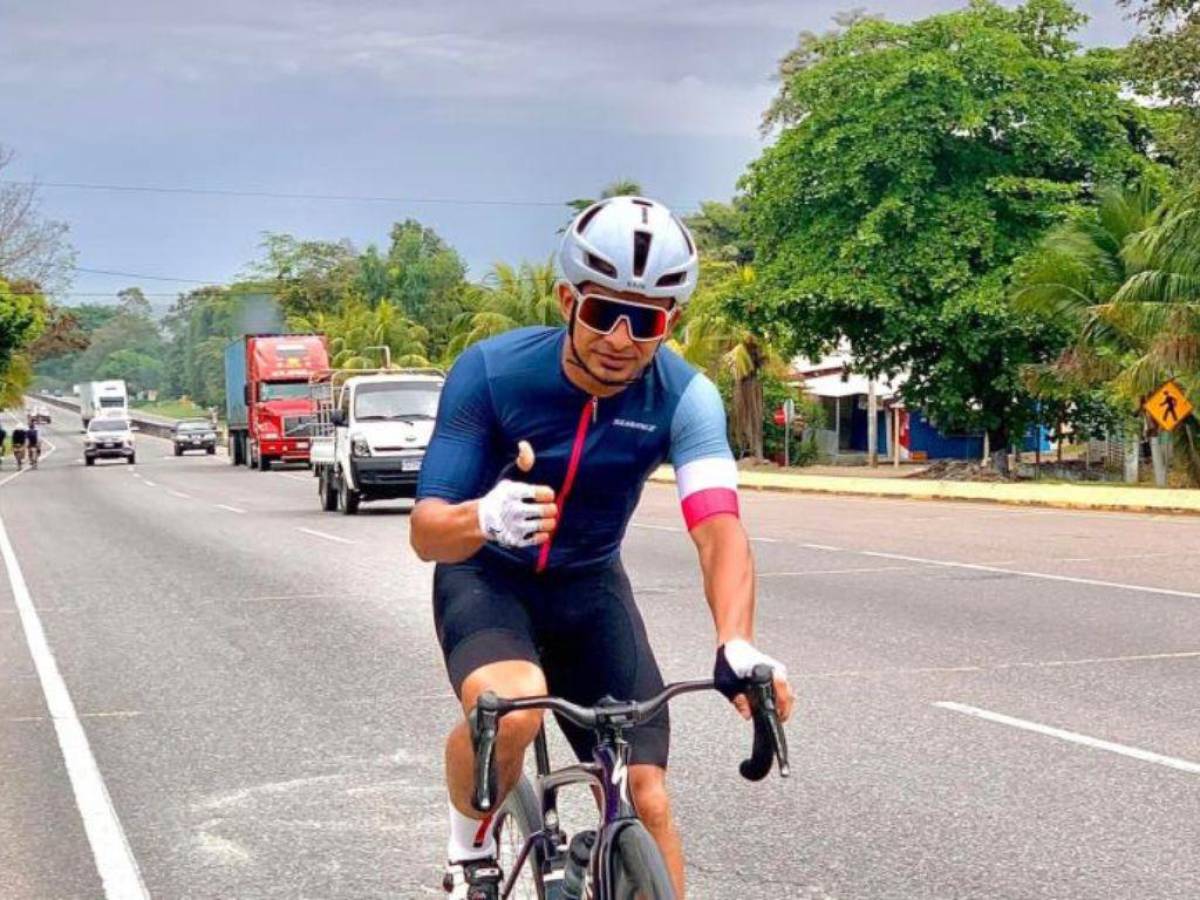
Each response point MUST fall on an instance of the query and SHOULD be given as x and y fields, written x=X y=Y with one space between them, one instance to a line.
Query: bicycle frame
x=609 y=774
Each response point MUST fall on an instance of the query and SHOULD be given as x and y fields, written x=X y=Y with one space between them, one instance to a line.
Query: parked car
x=109 y=438
x=194 y=434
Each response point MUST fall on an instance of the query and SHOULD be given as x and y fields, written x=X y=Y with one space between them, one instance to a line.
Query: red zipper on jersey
x=587 y=415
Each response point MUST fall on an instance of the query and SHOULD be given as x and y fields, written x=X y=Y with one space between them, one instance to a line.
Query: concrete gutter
x=1064 y=496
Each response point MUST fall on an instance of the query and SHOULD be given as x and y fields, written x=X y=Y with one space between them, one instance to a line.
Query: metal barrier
x=151 y=425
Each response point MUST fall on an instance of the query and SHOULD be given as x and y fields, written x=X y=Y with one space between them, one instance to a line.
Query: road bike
x=618 y=860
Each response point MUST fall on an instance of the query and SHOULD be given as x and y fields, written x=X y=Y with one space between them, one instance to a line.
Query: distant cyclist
x=530 y=594
x=3 y=438
x=18 y=445
x=33 y=443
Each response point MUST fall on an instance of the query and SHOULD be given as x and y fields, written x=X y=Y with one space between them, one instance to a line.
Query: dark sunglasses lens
x=602 y=314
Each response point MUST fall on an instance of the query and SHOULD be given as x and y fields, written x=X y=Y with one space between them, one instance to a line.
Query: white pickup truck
x=371 y=432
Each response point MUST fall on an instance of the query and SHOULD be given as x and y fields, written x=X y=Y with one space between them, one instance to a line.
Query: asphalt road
x=263 y=699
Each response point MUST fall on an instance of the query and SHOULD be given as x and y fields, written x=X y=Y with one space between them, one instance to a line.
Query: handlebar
x=770 y=742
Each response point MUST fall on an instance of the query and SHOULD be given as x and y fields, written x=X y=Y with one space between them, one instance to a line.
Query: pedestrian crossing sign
x=1168 y=406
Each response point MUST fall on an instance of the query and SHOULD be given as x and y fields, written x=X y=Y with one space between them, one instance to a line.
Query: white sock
x=469 y=838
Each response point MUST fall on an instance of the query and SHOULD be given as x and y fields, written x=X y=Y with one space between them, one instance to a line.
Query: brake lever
x=485 y=725
x=770 y=742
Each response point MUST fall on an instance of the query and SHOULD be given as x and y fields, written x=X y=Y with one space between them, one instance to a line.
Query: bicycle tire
x=641 y=872
x=522 y=809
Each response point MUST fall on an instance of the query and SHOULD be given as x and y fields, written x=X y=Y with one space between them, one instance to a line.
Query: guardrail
x=147 y=424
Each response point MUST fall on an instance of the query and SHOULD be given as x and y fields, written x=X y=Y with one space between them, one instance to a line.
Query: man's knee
x=512 y=678
x=648 y=784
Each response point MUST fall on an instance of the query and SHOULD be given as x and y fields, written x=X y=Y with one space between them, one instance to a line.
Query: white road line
x=114 y=860
x=1005 y=666
x=863 y=569
x=1140 y=588
x=232 y=509
x=180 y=494
x=650 y=527
x=1074 y=737
x=828 y=547
x=149 y=483
x=307 y=480
x=328 y=537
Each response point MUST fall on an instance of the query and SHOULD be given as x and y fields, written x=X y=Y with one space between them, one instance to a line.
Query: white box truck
x=101 y=399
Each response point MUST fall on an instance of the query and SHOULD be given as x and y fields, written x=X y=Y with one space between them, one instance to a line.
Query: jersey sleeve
x=455 y=465
x=705 y=473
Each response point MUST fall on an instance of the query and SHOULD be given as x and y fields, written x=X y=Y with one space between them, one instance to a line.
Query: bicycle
x=618 y=860
x=19 y=455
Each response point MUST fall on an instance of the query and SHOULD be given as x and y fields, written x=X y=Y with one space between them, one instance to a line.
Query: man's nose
x=619 y=337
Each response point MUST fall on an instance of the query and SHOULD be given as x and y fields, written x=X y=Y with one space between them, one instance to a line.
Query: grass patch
x=172 y=409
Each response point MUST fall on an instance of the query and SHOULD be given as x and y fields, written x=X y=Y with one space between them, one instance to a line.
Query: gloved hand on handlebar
x=516 y=514
x=736 y=659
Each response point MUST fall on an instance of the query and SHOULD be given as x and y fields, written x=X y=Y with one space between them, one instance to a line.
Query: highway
x=994 y=702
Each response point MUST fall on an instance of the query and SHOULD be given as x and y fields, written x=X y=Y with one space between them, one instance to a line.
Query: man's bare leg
x=648 y=784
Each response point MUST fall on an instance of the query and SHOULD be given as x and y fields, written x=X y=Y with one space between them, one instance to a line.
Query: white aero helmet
x=631 y=244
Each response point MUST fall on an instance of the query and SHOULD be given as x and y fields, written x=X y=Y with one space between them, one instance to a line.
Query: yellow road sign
x=1168 y=406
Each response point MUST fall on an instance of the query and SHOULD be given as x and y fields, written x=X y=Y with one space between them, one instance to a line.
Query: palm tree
x=713 y=342
x=356 y=331
x=508 y=298
x=622 y=187
x=1128 y=285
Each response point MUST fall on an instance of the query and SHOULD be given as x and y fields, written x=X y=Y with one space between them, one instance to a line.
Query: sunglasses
x=602 y=315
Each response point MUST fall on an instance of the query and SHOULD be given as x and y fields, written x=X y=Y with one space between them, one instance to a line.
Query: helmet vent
x=671 y=279
x=641 y=250
x=586 y=218
x=603 y=266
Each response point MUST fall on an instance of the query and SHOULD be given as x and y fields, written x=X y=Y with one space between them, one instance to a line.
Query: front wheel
x=520 y=817
x=326 y=490
x=348 y=497
x=641 y=873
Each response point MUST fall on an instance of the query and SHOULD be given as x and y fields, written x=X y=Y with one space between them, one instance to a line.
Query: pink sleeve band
x=701 y=505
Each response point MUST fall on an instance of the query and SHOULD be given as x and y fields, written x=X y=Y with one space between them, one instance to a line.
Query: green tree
x=716 y=342
x=1166 y=59
x=22 y=316
x=508 y=298
x=722 y=231
x=420 y=274
x=915 y=163
x=306 y=277
x=140 y=371
x=1125 y=280
x=357 y=331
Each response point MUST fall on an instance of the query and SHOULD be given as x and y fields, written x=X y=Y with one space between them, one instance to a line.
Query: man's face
x=616 y=356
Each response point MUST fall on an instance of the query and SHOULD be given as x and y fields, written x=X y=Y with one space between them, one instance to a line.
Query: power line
x=285 y=195
x=144 y=276
x=294 y=195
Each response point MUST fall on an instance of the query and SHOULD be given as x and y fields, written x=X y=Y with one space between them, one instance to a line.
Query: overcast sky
x=478 y=100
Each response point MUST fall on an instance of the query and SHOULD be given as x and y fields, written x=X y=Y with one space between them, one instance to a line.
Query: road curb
x=1058 y=496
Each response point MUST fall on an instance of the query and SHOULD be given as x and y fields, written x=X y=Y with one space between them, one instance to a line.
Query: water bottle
x=579 y=854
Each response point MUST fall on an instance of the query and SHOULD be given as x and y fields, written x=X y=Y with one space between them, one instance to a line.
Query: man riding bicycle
x=18 y=444
x=530 y=595
x=33 y=443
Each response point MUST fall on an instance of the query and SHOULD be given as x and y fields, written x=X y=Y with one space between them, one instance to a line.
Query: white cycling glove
x=736 y=660
x=508 y=513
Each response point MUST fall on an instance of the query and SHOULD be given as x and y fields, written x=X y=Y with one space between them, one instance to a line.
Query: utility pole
x=872 y=425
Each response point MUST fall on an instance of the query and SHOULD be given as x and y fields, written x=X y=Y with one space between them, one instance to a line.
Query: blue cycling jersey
x=595 y=452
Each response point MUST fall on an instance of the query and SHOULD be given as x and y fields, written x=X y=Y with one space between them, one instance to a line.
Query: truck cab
x=371 y=434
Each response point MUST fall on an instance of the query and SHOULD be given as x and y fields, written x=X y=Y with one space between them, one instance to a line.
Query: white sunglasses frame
x=580 y=297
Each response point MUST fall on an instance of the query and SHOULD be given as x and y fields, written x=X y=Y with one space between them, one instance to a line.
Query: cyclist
x=3 y=438
x=530 y=594
x=33 y=445
x=18 y=444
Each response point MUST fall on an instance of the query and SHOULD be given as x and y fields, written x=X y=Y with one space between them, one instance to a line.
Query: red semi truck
x=268 y=404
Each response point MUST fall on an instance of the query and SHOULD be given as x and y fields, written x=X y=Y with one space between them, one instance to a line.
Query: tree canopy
x=914 y=164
